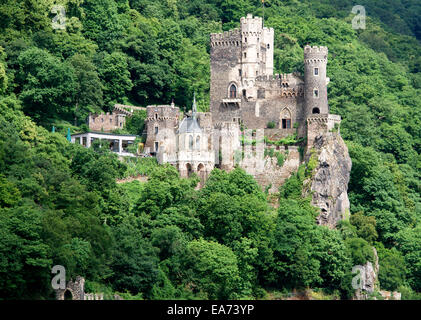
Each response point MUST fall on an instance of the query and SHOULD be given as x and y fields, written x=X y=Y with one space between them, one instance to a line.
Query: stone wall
x=106 y=122
x=266 y=170
x=161 y=122
x=75 y=288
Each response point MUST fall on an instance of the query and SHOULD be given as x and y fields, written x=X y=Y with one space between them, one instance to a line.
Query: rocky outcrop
x=329 y=185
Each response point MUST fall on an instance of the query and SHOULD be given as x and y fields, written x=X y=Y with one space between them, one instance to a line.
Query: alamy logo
x=358 y=22
x=59 y=21
x=59 y=280
x=358 y=279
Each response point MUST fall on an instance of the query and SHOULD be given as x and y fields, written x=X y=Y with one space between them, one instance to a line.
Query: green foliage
x=211 y=268
x=271 y=125
x=136 y=123
x=392 y=268
x=289 y=140
x=135 y=261
x=140 y=166
x=365 y=226
x=360 y=251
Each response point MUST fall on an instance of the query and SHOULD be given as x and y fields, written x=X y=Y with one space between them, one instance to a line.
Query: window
x=156 y=116
x=316 y=111
x=316 y=71
x=257 y=54
x=316 y=93
x=245 y=39
x=190 y=142
x=156 y=146
x=244 y=93
x=286 y=123
x=268 y=46
x=156 y=130
x=239 y=72
x=111 y=120
x=198 y=143
x=121 y=124
x=245 y=54
x=77 y=140
x=233 y=91
x=257 y=73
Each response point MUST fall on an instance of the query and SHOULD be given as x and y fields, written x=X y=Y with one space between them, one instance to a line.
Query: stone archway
x=68 y=295
x=189 y=169
x=201 y=171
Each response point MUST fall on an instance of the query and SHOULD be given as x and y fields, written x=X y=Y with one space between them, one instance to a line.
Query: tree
x=115 y=76
x=365 y=226
x=88 y=91
x=211 y=268
x=135 y=261
x=47 y=84
x=391 y=268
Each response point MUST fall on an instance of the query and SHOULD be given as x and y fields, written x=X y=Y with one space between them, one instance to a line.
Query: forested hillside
x=163 y=239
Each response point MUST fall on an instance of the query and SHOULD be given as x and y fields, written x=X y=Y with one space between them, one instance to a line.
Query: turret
x=315 y=95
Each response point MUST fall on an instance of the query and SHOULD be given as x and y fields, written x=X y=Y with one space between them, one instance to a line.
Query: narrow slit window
x=233 y=91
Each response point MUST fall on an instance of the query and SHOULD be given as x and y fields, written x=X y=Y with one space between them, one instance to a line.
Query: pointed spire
x=194 y=109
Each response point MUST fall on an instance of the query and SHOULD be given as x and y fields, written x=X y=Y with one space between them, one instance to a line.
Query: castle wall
x=225 y=53
x=165 y=119
x=266 y=170
x=106 y=122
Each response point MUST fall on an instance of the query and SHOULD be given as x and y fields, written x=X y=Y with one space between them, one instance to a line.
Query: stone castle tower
x=315 y=80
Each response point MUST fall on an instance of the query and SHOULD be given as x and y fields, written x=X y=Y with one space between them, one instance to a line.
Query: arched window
x=233 y=91
x=189 y=169
x=198 y=143
x=190 y=142
x=285 y=119
x=316 y=111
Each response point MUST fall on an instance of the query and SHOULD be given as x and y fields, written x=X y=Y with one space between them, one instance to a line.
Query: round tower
x=251 y=30
x=315 y=95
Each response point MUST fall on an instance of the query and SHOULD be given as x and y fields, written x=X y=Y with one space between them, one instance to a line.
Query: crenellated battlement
x=315 y=50
x=315 y=54
x=162 y=113
x=249 y=20
x=227 y=38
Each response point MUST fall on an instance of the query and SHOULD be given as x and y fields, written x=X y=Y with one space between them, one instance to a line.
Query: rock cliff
x=329 y=183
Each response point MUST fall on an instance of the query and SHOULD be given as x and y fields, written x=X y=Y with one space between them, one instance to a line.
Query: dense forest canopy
x=60 y=203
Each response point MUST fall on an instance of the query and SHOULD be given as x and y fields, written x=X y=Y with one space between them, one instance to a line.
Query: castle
x=244 y=95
